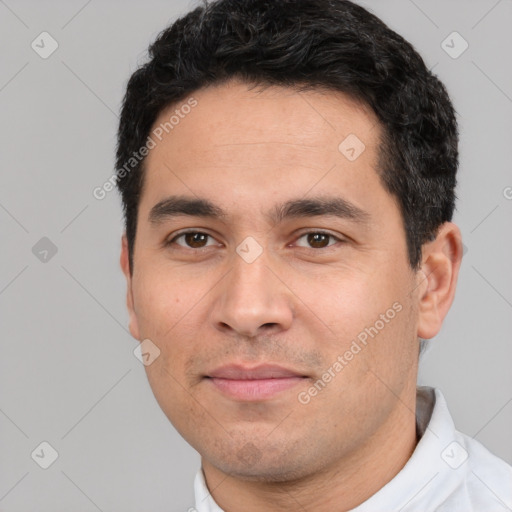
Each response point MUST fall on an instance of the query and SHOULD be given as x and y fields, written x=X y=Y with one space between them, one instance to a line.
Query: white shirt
x=447 y=472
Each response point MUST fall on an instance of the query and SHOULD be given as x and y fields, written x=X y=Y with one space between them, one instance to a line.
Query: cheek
x=163 y=301
x=164 y=305
x=345 y=302
x=170 y=306
x=153 y=304
x=366 y=317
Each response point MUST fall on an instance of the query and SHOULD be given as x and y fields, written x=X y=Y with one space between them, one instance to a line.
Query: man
x=287 y=170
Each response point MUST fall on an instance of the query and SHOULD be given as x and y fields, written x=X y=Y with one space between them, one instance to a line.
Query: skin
x=300 y=304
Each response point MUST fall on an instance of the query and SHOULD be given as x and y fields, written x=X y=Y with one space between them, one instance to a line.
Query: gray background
x=68 y=375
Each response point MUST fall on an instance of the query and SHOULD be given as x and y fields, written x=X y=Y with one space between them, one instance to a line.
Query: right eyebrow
x=175 y=206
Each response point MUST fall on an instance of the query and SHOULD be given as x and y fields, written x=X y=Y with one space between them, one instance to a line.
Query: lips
x=267 y=371
x=254 y=384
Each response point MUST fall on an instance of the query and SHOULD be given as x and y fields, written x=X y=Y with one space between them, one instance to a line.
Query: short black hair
x=305 y=44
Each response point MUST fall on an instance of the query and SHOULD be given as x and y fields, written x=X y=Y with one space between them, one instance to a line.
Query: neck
x=341 y=486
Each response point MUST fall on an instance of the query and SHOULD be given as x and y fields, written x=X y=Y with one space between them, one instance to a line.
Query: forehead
x=242 y=140
x=236 y=112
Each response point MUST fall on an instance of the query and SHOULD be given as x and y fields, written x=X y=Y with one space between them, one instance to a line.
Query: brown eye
x=192 y=239
x=195 y=240
x=318 y=240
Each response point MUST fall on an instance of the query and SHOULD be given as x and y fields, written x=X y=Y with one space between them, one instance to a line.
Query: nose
x=253 y=299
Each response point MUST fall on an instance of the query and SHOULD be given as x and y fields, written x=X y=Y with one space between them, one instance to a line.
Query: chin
x=263 y=473
x=261 y=465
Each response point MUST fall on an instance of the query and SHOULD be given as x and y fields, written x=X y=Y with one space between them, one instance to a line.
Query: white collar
x=447 y=471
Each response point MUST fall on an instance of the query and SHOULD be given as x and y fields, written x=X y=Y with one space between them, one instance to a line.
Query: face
x=283 y=305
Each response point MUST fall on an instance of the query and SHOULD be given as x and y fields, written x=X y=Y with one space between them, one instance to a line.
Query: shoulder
x=489 y=478
x=485 y=480
x=469 y=477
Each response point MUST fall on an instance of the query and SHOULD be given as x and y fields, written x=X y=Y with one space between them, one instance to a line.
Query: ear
x=441 y=261
x=125 y=266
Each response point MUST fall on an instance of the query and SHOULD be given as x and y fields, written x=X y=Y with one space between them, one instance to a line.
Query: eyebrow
x=175 y=206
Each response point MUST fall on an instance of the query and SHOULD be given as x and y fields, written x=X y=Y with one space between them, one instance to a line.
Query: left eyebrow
x=318 y=206
x=175 y=206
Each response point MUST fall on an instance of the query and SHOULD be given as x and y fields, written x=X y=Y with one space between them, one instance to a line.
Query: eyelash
x=172 y=241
